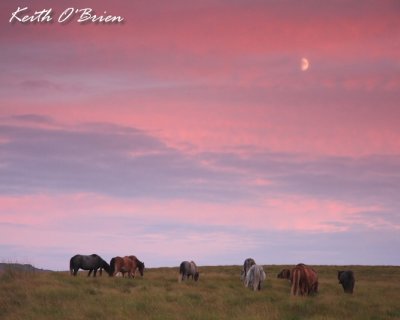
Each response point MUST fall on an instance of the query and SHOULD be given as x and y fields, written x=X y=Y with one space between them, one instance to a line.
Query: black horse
x=347 y=280
x=91 y=263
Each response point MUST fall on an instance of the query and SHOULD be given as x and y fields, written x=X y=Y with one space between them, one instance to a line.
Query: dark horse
x=91 y=263
x=248 y=263
x=347 y=280
x=284 y=274
x=127 y=264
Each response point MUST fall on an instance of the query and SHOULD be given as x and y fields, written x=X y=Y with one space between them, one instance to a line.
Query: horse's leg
x=76 y=271
x=94 y=273
x=90 y=271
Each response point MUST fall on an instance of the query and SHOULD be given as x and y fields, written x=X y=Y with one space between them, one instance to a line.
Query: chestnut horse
x=127 y=264
x=139 y=264
x=304 y=280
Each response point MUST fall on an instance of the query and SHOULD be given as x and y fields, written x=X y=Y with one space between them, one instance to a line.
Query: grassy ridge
x=219 y=294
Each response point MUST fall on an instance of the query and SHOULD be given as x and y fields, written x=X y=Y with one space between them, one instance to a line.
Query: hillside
x=219 y=294
x=19 y=267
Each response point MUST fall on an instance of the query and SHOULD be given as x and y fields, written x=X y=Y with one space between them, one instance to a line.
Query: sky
x=190 y=131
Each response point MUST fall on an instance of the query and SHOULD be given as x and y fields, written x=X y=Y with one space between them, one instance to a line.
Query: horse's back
x=75 y=258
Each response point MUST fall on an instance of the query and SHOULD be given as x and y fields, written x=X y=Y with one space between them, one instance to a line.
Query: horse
x=127 y=264
x=284 y=274
x=347 y=280
x=188 y=269
x=90 y=262
x=304 y=280
x=140 y=265
x=255 y=277
x=246 y=266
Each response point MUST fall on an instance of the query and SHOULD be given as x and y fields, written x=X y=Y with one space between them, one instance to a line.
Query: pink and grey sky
x=190 y=131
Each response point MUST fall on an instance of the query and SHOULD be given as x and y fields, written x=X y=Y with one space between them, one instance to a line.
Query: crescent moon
x=304 y=64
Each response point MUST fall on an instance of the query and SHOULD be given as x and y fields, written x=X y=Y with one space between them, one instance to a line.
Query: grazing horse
x=124 y=265
x=246 y=266
x=284 y=274
x=187 y=269
x=255 y=277
x=304 y=280
x=347 y=280
x=139 y=264
x=91 y=263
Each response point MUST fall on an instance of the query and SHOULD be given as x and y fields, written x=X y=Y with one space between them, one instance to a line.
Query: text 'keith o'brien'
x=85 y=15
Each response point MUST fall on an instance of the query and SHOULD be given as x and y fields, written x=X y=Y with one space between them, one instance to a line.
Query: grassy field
x=219 y=294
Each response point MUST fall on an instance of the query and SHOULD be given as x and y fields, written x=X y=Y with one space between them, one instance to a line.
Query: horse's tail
x=256 y=279
x=71 y=266
x=296 y=274
x=112 y=266
x=181 y=272
x=312 y=280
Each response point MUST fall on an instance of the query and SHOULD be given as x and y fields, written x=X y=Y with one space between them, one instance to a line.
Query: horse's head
x=141 y=267
x=107 y=268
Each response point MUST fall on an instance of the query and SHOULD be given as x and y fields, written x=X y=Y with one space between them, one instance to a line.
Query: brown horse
x=284 y=274
x=127 y=264
x=139 y=264
x=304 y=280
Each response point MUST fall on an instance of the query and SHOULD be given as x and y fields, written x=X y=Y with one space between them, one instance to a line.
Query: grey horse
x=255 y=277
x=188 y=269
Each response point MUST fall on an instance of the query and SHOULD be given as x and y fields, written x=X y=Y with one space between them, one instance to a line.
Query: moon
x=304 y=64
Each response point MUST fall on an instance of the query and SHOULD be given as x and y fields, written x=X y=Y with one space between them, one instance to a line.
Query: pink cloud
x=286 y=212
x=163 y=232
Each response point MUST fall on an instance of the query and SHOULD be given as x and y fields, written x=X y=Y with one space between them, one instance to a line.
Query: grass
x=219 y=294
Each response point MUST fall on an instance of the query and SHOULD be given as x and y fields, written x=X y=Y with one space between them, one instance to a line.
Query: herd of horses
x=303 y=279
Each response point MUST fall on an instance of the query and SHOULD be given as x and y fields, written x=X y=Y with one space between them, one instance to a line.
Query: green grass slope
x=219 y=294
